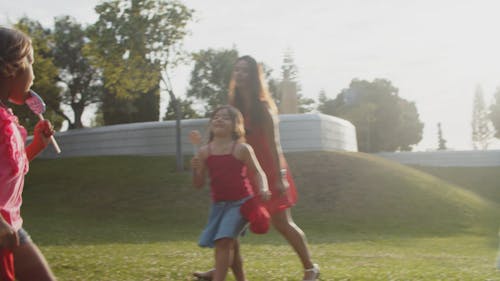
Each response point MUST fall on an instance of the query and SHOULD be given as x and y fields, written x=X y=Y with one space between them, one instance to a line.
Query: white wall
x=299 y=132
x=472 y=158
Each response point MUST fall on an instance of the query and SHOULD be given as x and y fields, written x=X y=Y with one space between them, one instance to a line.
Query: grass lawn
x=366 y=218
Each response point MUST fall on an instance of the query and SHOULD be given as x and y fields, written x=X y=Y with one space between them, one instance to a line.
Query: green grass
x=366 y=218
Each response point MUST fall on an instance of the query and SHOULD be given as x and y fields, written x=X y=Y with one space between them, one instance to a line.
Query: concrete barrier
x=299 y=132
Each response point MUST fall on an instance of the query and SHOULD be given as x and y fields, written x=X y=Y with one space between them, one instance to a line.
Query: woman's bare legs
x=30 y=264
x=284 y=224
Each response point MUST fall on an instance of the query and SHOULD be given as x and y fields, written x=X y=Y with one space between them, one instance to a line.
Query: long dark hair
x=261 y=101
x=238 y=133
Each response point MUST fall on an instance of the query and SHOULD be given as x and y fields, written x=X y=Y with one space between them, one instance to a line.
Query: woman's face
x=241 y=73
x=22 y=81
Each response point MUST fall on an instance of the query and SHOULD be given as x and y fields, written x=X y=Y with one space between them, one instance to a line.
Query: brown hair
x=14 y=47
x=238 y=133
x=260 y=99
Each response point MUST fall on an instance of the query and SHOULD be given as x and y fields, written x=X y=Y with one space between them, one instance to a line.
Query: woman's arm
x=271 y=131
x=246 y=154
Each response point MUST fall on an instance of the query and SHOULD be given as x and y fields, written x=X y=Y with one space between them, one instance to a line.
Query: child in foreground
x=226 y=158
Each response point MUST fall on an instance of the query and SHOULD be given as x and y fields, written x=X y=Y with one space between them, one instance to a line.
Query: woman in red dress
x=248 y=93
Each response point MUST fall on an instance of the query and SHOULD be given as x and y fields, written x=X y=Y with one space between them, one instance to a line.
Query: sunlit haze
x=435 y=52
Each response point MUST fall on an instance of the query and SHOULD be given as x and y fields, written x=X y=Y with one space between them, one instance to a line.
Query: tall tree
x=81 y=80
x=186 y=107
x=211 y=75
x=133 y=42
x=441 y=140
x=495 y=113
x=481 y=131
x=290 y=76
x=383 y=120
x=46 y=75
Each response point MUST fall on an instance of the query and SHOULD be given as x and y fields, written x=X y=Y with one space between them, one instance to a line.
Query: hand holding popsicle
x=195 y=139
x=37 y=106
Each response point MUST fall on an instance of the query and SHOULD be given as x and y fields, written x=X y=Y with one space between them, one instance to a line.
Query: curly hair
x=14 y=47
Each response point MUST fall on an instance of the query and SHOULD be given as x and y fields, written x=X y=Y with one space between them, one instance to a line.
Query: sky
x=436 y=52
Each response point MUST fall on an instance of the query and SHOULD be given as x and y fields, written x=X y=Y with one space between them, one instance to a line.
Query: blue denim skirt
x=225 y=221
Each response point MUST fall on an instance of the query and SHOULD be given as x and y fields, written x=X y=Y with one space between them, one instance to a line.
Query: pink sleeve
x=10 y=150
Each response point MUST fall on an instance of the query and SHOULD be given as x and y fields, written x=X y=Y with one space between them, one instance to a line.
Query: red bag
x=6 y=265
x=257 y=215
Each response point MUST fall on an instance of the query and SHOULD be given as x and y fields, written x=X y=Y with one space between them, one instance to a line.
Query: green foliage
x=211 y=75
x=186 y=107
x=495 y=113
x=481 y=130
x=384 y=121
x=46 y=75
x=132 y=42
x=82 y=81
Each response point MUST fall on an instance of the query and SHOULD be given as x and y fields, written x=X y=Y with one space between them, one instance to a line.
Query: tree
x=289 y=75
x=82 y=81
x=383 y=120
x=46 y=75
x=211 y=75
x=481 y=131
x=495 y=113
x=133 y=42
x=441 y=140
x=186 y=107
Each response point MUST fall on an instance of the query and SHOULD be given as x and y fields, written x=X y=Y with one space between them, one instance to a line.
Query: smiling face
x=222 y=123
x=22 y=81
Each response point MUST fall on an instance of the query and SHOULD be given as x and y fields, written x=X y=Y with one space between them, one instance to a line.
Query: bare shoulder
x=241 y=150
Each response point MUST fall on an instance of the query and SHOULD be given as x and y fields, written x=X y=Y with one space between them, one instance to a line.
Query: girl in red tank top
x=227 y=158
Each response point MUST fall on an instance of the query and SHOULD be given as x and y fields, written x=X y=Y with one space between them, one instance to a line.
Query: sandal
x=315 y=270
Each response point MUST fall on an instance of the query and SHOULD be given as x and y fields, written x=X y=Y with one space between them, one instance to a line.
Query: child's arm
x=41 y=137
x=199 y=167
x=248 y=157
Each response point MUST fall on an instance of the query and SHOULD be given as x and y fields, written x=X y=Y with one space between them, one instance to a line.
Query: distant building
x=288 y=102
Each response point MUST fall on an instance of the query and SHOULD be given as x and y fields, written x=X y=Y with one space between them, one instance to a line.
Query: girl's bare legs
x=30 y=264
x=236 y=267
x=224 y=250
x=283 y=223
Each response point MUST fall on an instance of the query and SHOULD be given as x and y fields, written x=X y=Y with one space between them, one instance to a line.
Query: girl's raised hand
x=195 y=139
x=195 y=163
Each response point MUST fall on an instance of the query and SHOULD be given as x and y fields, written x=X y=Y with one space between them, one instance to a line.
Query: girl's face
x=241 y=73
x=222 y=123
x=22 y=81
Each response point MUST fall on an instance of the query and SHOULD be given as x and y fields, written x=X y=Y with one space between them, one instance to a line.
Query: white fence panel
x=299 y=132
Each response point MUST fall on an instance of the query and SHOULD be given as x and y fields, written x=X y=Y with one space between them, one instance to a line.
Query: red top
x=228 y=177
x=258 y=140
